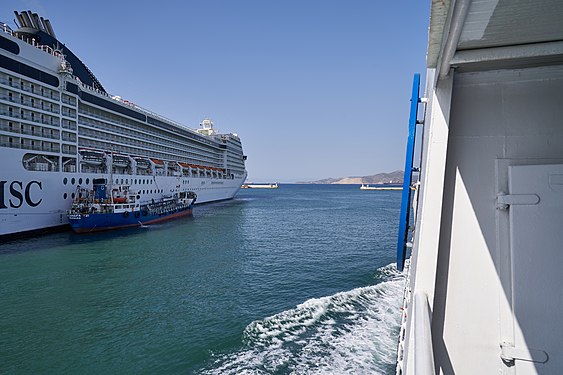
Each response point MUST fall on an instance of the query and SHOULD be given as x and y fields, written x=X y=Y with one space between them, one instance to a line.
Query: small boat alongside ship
x=108 y=207
x=260 y=186
x=381 y=187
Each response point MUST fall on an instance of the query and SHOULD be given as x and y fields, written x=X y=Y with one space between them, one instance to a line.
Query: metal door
x=535 y=205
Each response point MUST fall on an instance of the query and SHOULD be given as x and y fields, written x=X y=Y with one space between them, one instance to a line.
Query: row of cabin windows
x=35 y=103
x=31 y=87
x=103 y=115
x=139 y=132
x=142 y=181
x=29 y=144
x=34 y=130
x=33 y=116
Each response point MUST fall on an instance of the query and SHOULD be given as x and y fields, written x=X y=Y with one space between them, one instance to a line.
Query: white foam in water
x=347 y=333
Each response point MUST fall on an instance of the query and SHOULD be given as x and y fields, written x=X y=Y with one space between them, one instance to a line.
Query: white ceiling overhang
x=492 y=34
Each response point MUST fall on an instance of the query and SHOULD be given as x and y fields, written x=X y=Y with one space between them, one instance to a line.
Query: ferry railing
x=423 y=351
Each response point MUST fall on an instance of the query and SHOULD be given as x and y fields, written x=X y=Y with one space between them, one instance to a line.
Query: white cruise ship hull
x=36 y=201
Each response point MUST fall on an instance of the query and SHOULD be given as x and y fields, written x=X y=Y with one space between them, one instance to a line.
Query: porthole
x=72 y=195
x=80 y=181
x=127 y=181
x=87 y=181
x=65 y=195
x=72 y=181
x=65 y=181
x=135 y=181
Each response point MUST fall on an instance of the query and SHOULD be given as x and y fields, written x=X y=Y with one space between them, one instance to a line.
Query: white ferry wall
x=36 y=200
x=490 y=266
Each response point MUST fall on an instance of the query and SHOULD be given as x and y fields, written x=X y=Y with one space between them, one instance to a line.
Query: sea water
x=294 y=280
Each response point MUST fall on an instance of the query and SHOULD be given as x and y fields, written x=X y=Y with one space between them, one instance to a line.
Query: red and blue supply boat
x=108 y=207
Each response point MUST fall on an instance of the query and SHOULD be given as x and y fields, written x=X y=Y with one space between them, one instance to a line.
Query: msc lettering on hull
x=14 y=194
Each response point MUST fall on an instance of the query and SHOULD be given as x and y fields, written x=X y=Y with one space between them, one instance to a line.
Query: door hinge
x=509 y=353
x=506 y=200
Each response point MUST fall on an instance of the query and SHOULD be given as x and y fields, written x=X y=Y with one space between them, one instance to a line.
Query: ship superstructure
x=60 y=129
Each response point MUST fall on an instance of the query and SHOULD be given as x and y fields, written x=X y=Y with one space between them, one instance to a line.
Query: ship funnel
x=49 y=28
x=19 y=18
x=29 y=20
x=26 y=20
x=35 y=20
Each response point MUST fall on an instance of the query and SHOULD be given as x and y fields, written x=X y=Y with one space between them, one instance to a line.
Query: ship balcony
x=28 y=144
x=49 y=120
x=32 y=103
x=16 y=129
x=68 y=124
x=69 y=137
x=69 y=113
x=30 y=88
x=69 y=100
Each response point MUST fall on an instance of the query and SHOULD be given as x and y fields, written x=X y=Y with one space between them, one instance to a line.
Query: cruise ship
x=485 y=286
x=60 y=130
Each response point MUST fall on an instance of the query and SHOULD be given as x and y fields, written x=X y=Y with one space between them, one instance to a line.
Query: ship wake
x=349 y=332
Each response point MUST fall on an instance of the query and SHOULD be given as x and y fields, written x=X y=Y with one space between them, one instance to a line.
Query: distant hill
x=395 y=177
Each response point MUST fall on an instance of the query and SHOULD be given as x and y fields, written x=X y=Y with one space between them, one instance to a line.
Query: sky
x=314 y=88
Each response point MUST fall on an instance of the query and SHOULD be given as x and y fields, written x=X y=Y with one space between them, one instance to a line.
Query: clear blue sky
x=315 y=88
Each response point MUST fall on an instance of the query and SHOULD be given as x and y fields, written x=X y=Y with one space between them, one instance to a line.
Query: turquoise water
x=295 y=280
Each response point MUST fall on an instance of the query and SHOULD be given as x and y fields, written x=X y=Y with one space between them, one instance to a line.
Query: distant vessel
x=60 y=129
x=484 y=291
x=381 y=187
x=108 y=207
x=260 y=186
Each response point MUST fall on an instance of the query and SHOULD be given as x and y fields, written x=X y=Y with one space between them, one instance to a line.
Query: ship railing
x=423 y=351
x=29 y=103
x=141 y=109
x=28 y=40
x=38 y=119
x=163 y=118
x=49 y=94
x=90 y=88
x=7 y=29
x=27 y=146
x=135 y=106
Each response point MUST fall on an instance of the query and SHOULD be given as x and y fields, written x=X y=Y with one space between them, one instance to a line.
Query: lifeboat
x=121 y=161
x=158 y=163
x=92 y=157
x=142 y=163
